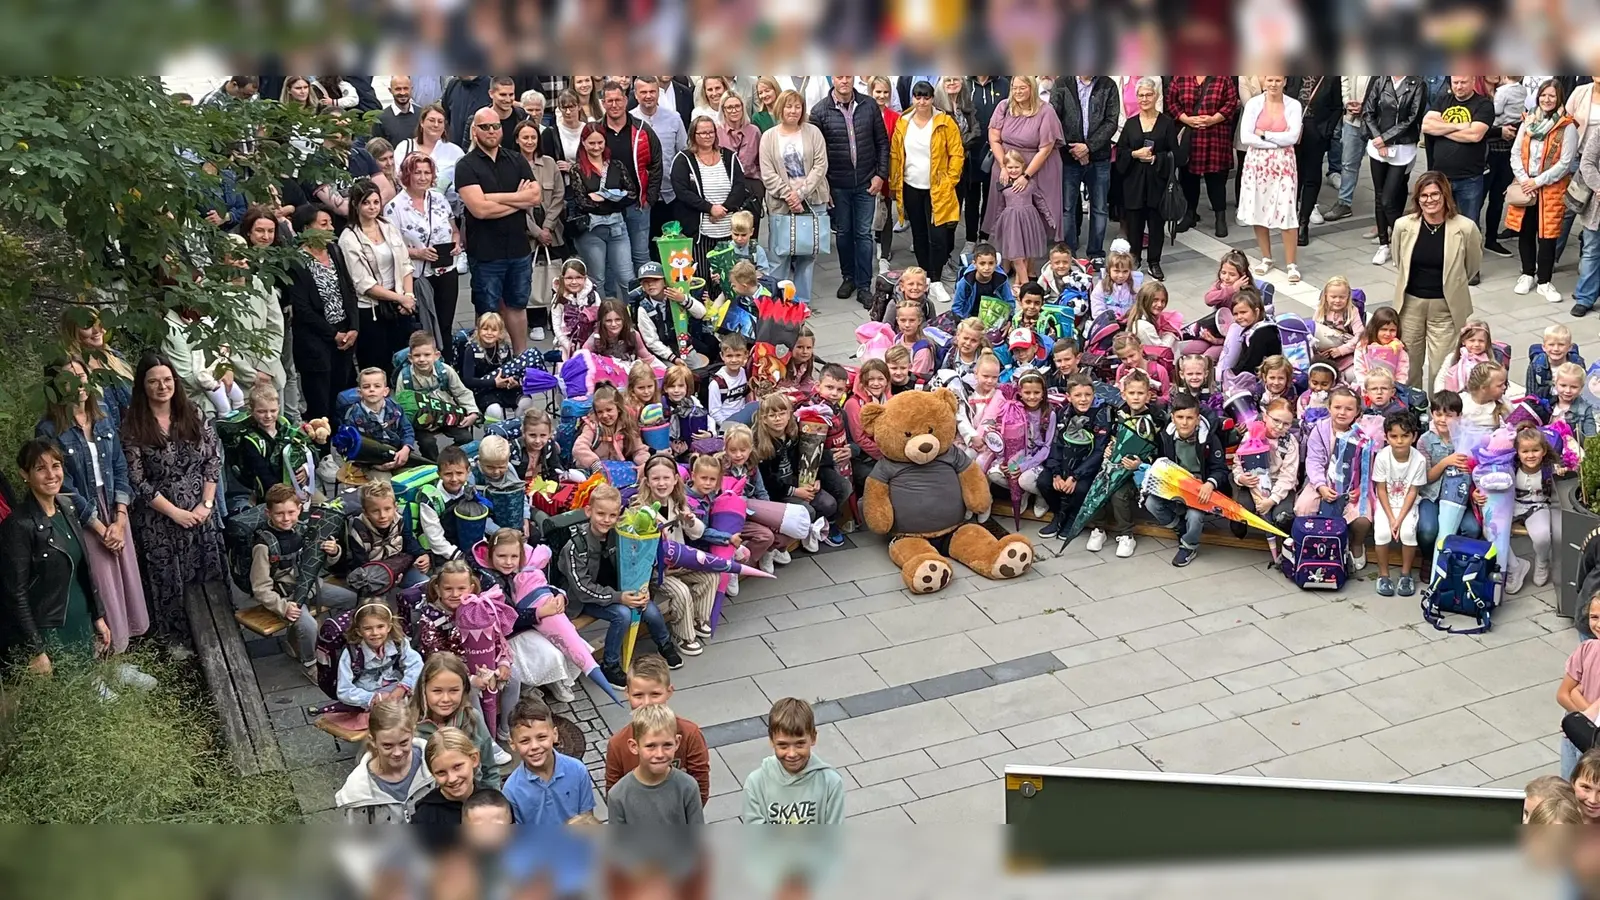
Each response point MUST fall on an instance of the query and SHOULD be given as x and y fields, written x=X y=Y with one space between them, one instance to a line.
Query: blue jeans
x=497 y=282
x=1167 y=513
x=797 y=269
x=1098 y=177
x=852 y=223
x=617 y=618
x=1567 y=218
x=1354 y=142
x=1569 y=758
x=1588 y=270
x=1469 y=195
x=638 y=219
x=607 y=253
x=1428 y=524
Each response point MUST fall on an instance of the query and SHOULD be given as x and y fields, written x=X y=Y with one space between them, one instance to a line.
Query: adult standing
x=398 y=121
x=497 y=189
x=1022 y=122
x=1147 y=153
x=925 y=163
x=1588 y=287
x=794 y=168
x=1436 y=251
x=708 y=99
x=1585 y=112
x=1206 y=104
x=322 y=296
x=675 y=95
x=1352 y=138
x=1391 y=113
x=671 y=134
x=422 y=215
x=429 y=140
x=463 y=97
x=533 y=103
x=375 y=253
x=1319 y=129
x=547 y=224
x=174 y=468
x=1542 y=159
x=605 y=189
x=709 y=184
x=1087 y=106
x=1508 y=112
x=858 y=169
x=1128 y=107
x=987 y=93
x=633 y=144
x=587 y=87
x=264 y=316
x=1269 y=182
x=1454 y=129
x=503 y=98
x=765 y=102
x=738 y=134
x=564 y=142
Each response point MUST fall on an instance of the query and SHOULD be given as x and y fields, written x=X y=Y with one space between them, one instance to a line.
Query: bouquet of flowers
x=815 y=421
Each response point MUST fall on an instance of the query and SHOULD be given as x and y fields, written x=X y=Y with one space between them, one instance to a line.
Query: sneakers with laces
x=733 y=585
x=691 y=648
x=766 y=563
x=668 y=653
x=1517 y=575
x=1183 y=557
x=1097 y=539
x=1316 y=215
x=538 y=333
x=614 y=675
x=703 y=629
x=1549 y=293
x=1524 y=285
x=1051 y=528
x=1125 y=546
x=1382 y=256
x=1336 y=212
x=781 y=557
x=1040 y=508
x=562 y=692
x=500 y=756
x=835 y=536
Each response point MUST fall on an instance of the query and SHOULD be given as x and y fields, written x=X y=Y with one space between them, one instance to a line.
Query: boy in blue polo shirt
x=549 y=788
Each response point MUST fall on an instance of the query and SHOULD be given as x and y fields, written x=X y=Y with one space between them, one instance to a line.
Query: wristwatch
x=206 y=504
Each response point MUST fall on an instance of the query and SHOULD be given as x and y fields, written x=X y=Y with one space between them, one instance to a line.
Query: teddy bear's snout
x=923 y=449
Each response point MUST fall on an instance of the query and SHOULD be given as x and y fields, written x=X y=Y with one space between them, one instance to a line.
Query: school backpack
x=1313 y=558
x=557 y=531
x=1298 y=337
x=331 y=644
x=572 y=413
x=1464 y=581
x=238 y=534
x=341 y=404
x=458 y=346
x=885 y=286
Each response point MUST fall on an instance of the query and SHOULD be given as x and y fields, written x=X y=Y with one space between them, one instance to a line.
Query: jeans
x=1569 y=757
x=1588 y=269
x=607 y=253
x=1098 y=177
x=797 y=269
x=852 y=223
x=498 y=282
x=638 y=219
x=1428 y=524
x=1469 y=195
x=1354 y=143
x=336 y=599
x=617 y=618
x=1567 y=218
x=1167 y=513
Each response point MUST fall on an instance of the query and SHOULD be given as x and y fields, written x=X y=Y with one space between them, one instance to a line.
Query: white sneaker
x=501 y=757
x=1548 y=292
x=939 y=293
x=1040 y=507
x=563 y=692
x=901 y=227
x=1294 y=273
x=883 y=265
x=1316 y=215
x=538 y=332
x=781 y=557
x=692 y=648
x=1125 y=546
x=766 y=563
x=1524 y=284
x=1517 y=575
x=1382 y=256
x=733 y=585
x=131 y=676
x=1541 y=573
x=1097 y=539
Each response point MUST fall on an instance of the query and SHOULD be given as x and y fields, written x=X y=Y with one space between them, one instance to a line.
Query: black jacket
x=438 y=819
x=36 y=574
x=314 y=349
x=1103 y=104
x=1072 y=453
x=690 y=201
x=1395 y=115
x=1324 y=116
x=1213 y=467
x=463 y=97
x=872 y=142
x=1142 y=182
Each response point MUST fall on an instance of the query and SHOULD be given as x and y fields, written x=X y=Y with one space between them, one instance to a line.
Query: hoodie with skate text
x=772 y=796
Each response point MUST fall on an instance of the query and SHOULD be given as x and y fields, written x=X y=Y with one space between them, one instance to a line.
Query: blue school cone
x=598 y=678
x=1454 y=489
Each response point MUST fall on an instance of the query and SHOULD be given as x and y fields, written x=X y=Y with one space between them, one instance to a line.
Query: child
x=547 y=787
x=1568 y=405
x=588 y=570
x=275 y=551
x=684 y=596
x=614 y=335
x=650 y=684
x=654 y=792
x=1474 y=346
x=642 y=389
x=1208 y=334
x=983 y=278
x=577 y=306
x=1057 y=271
x=830 y=392
x=1075 y=456
x=1535 y=489
x=653 y=316
x=387 y=664
x=901 y=378
x=452 y=758
x=1379 y=397
x=1031 y=314
x=1115 y=290
x=540 y=458
x=1197 y=379
x=434 y=507
x=803 y=364
x=1580 y=681
x=270 y=450
x=1272 y=496
x=1136 y=414
x=380 y=419
x=1150 y=319
x=519 y=571
x=777 y=453
x=428 y=375
x=1447 y=471
x=730 y=385
x=738 y=448
x=1334 y=451
x=1027 y=466
x=1550 y=788
x=1189 y=441
x=441 y=702
x=1252 y=337
x=1064 y=358
x=969 y=341
x=504 y=493
x=872 y=386
x=1398 y=472
x=1320 y=379
x=1339 y=325
x=687 y=419
x=390 y=778
x=1586 y=785
x=1380 y=345
x=608 y=432
x=1131 y=353
x=743 y=224
x=1485 y=405
x=1555 y=351
x=1277 y=380
x=908 y=323
x=380 y=534
x=1023 y=221
x=1233 y=272
x=793 y=786
x=982 y=404
x=489 y=348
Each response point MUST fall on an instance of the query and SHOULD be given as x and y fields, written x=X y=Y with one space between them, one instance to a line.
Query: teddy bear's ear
x=869 y=415
x=947 y=397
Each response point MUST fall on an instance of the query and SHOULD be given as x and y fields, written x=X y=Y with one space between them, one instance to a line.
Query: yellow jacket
x=948 y=156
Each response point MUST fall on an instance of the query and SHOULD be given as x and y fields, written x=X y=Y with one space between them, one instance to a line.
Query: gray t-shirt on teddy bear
x=926 y=498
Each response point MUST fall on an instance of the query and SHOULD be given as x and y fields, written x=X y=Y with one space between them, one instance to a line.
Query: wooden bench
x=232 y=680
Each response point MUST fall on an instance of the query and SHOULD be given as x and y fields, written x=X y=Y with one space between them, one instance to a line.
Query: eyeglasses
x=1277 y=421
x=1431 y=195
x=490 y=126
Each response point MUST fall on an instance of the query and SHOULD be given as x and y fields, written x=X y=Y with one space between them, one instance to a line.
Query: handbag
x=1577 y=196
x=802 y=234
x=1516 y=196
x=543 y=291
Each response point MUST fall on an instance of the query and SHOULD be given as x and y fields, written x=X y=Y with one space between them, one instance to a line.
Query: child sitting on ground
x=777 y=452
x=1031 y=313
x=901 y=377
x=982 y=403
x=379 y=418
x=540 y=458
x=1058 y=269
x=1189 y=441
x=650 y=684
x=653 y=318
x=1555 y=351
x=793 y=786
x=615 y=337
x=872 y=386
x=1338 y=324
x=908 y=322
x=831 y=389
x=1064 y=358
x=1208 y=334
x=1076 y=453
x=1115 y=289
x=489 y=348
x=1150 y=320
x=381 y=535
x=275 y=552
x=1272 y=496
x=608 y=432
x=1472 y=347
x=1484 y=403
x=377 y=662
x=577 y=307
x=703 y=488
x=729 y=388
x=1398 y=472
x=642 y=389
x=518 y=570
x=1380 y=346
x=1131 y=353
x=429 y=376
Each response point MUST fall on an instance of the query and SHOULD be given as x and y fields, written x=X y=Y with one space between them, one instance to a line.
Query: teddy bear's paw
x=929 y=576
x=1015 y=558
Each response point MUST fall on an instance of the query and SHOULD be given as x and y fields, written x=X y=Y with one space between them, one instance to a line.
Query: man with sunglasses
x=497 y=187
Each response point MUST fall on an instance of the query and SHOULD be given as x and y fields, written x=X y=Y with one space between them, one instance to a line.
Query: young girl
x=1233 y=272
x=441 y=702
x=688 y=419
x=1474 y=346
x=704 y=487
x=962 y=356
x=1568 y=405
x=1024 y=221
x=1208 y=334
x=539 y=453
x=1336 y=455
x=452 y=758
x=908 y=319
x=615 y=336
x=488 y=349
x=642 y=389
x=1277 y=380
x=1252 y=337
x=1339 y=324
x=1272 y=497
x=982 y=403
x=1380 y=346
x=777 y=453
x=1320 y=379
x=684 y=597
x=608 y=432
x=767 y=519
x=1483 y=403
x=1534 y=484
x=1040 y=430
x=1150 y=319
x=577 y=305
x=391 y=777
x=1115 y=290
x=801 y=374
x=872 y=386
x=377 y=661
x=1131 y=353
x=1579 y=682
x=519 y=571
x=1197 y=378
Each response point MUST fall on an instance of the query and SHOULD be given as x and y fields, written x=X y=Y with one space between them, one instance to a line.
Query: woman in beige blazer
x=1436 y=251
x=794 y=169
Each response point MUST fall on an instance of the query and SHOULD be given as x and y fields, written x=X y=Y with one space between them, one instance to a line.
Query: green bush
x=66 y=755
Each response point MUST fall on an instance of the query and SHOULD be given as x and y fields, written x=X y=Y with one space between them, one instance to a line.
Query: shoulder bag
x=808 y=233
x=1579 y=193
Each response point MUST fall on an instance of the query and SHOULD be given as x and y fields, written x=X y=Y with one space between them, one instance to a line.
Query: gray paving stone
x=1094 y=651
x=824 y=595
x=1041 y=730
x=1351 y=760
x=1243 y=704
x=854 y=565
x=878 y=796
x=953 y=778
x=1522 y=715
x=1210 y=749
x=1005 y=604
x=1117 y=711
x=722 y=780
x=1281 y=605
x=755 y=607
x=739 y=629
x=1509 y=632
x=911 y=663
x=1387 y=642
x=800 y=618
x=1188 y=694
x=1159 y=636
x=830 y=679
x=314 y=786
x=1430 y=653
x=1511 y=668
x=1025 y=637
x=889 y=815
x=1014 y=703
x=1130 y=612
x=1223 y=619
x=1520 y=780
x=1379 y=667
x=1121 y=676
x=1123 y=759
x=952 y=684
x=725 y=808
x=1309 y=686
x=1324 y=659
x=723 y=701
x=1100 y=740
x=1440 y=740
x=801 y=575
x=1174 y=721
x=1224 y=652
x=1461 y=774
x=949 y=615
x=879 y=700
x=978 y=804
x=1025 y=667
x=861 y=606
x=1048 y=753
x=306 y=746
x=1517 y=759
x=1315 y=723
x=904 y=729
x=890 y=768
x=882 y=584
x=1420 y=693
x=975 y=747
x=725 y=660
x=1323 y=627
x=1245 y=586
x=735 y=732
x=825 y=640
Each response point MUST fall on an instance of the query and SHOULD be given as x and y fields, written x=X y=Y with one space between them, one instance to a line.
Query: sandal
x=1294 y=273
x=1261 y=269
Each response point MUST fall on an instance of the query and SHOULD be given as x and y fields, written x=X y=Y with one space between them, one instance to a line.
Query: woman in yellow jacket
x=925 y=159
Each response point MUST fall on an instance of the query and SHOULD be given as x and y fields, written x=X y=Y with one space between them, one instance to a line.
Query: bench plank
x=232 y=679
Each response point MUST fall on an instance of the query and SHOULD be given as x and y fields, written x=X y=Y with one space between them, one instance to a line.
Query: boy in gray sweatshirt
x=655 y=793
x=793 y=786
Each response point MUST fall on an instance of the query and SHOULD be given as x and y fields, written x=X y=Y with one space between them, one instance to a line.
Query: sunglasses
x=492 y=126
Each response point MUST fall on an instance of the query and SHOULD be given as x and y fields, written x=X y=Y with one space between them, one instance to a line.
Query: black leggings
x=1538 y=253
x=1500 y=178
x=1216 y=191
x=446 y=289
x=1136 y=221
x=1389 y=195
x=1238 y=175
x=1310 y=156
x=930 y=242
x=977 y=201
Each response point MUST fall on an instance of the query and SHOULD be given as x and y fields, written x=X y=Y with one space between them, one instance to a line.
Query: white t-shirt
x=919 y=154
x=1400 y=476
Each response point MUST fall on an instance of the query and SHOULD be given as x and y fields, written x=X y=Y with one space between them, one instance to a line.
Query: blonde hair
x=1547 y=787
x=376 y=490
x=766 y=446
x=1013 y=156
x=449 y=740
x=1482 y=375
x=387 y=715
x=986 y=355
x=1337 y=281
x=777 y=92
x=485 y=320
x=1275 y=363
x=779 y=104
x=605 y=492
x=1475 y=326
x=651 y=667
x=678 y=372
x=678 y=498
x=1558 y=331
x=1113 y=259
x=743 y=221
x=973 y=324
x=262 y=393
x=1033 y=104
x=640 y=373
x=1557 y=811
x=876 y=80
x=1144 y=302
x=744 y=274
x=736 y=435
x=352 y=635
x=1567 y=370
x=654 y=718
x=494 y=449
x=897 y=353
x=502 y=537
x=373 y=370
x=1379 y=374
x=457 y=566
x=441 y=663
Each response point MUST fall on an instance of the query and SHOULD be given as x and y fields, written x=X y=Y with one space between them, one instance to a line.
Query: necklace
x=1432 y=228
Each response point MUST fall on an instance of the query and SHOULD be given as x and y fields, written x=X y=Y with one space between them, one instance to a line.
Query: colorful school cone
x=681 y=556
x=1013 y=441
x=727 y=516
x=596 y=676
x=638 y=542
x=1128 y=442
x=1170 y=481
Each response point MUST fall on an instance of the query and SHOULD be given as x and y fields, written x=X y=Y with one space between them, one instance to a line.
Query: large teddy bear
x=923 y=489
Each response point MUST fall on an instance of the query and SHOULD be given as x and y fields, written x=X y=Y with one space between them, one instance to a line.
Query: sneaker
x=939 y=293
x=1294 y=273
x=1155 y=271
x=812 y=542
x=1238 y=529
x=538 y=333
x=966 y=249
x=690 y=648
x=670 y=654
x=1497 y=248
x=309 y=670
x=883 y=265
x=499 y=755
x=1382 y=256
x=900 y=227
x=614 y=675
x=1040 y=508
x=562 y=692
x=835 y=536
x=1549 y=293
x=1385 y=586
x=1125 y=546
x=1336 y=212
x=1507 y=234
x=733 y=585
x=703 y=629
x=767 y=564
x=1183 y=557
x=1524 y=284
x=1097 y=539
x=781 y=557
x=1517 y=575
x=1541 y=573
x=1051 y=528
x=1579 y=310
x=1317 y=218
x=846 y=289
x=130 y=675
x=1407 y=586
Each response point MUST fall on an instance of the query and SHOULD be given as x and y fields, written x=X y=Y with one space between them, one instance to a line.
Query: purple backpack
x=1314 y=556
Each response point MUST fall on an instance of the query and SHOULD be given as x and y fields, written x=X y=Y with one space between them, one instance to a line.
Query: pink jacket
x=1393 y=357
x=1282 y=469
x=590 y=448
x=528 y=579
x=1221 y=295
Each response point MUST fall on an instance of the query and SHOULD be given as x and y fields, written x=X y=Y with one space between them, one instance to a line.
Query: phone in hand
x=1149 y=144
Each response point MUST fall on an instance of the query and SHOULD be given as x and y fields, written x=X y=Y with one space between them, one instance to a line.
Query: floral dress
x=173 y=558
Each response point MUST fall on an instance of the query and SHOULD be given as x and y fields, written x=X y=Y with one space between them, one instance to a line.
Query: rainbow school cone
x=638 y=542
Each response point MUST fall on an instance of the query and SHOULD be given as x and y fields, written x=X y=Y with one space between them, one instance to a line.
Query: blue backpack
x=572 y=412
x=1313 y=558
x=1464 y=582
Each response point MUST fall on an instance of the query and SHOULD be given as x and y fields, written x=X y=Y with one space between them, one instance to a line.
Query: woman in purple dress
x=1027 y=125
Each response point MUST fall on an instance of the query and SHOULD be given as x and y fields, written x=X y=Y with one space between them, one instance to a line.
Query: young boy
x=504 y=492
x=983 y=278
x=1135 y=415
x=1447 y=471
x=1554 y=350
x=651 y=306
x=650 y=683
x=434 y=522
x=1075 y=457
x=793 y=786
x=729 y=388
x=1190 y=442
x=743 y=224
x=654 y=792
x=275 y=556
x=548 y=787
x=901 y=378
x=1064 y=359
x=1031 y=314
x=429 y=376
x=1398 y=471
x=832 y=386
x=587 y=567
x=1379 y=395
x=1053 y=279
x=269 y=450
x=381 y=419
x=381 y=534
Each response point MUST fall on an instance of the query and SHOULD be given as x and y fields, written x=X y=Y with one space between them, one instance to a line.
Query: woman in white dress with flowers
x=1269 y=189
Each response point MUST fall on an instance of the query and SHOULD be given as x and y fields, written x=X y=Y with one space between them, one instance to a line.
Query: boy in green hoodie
x=793 y=786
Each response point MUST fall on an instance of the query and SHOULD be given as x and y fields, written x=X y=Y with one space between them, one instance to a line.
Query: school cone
x=629 y=639
x=1170 y=481
x=596 y=676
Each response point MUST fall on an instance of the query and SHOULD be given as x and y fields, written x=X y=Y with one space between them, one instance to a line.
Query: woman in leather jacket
x=48 y=601
x=1391 y=115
